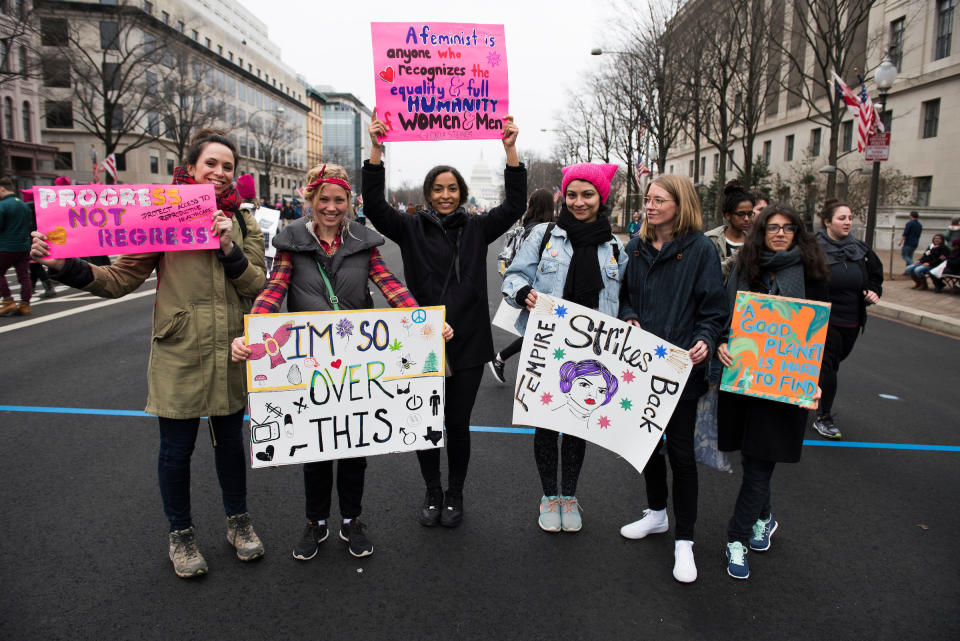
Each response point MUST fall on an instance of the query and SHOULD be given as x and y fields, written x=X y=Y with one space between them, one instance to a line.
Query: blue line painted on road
x=481 y=428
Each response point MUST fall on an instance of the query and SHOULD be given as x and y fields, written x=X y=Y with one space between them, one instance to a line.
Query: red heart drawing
x=336 y=364
x=387 y=74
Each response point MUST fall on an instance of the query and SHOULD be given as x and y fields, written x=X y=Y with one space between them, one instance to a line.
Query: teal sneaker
x=762 y=531
x=570 y=514
x=737 y=561
x=549 y=520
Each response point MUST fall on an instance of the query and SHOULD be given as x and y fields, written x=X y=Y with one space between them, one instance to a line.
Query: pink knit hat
x=26 y=195
x=597 y=174
x=61 y=181
x=245 y=187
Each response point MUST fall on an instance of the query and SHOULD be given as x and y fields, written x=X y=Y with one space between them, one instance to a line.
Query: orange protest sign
x=777 y=348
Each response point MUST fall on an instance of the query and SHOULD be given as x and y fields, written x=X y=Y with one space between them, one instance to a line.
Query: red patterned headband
x=321 y=180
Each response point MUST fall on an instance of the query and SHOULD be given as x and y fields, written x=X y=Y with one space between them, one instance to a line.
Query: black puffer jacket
x=428 y=257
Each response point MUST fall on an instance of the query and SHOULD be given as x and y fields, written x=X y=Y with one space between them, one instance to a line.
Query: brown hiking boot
x=241 y=536
x=23 y=308
x=9 y=308
x=186 y=557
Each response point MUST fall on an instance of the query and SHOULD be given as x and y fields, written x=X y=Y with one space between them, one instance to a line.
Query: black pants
x=840 y=342
x=572 y=450
x=685 y=485
x=753 y=501
x=510 y=350
x=461 y=393
x=318 y=482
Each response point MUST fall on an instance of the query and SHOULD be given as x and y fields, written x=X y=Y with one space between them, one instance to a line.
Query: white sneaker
x=684 y=569
x=653 y=522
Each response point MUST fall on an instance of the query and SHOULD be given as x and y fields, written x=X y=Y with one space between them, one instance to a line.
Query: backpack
x=510 y=246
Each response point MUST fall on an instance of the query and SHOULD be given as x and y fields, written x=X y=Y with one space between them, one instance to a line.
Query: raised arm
x=386 y=220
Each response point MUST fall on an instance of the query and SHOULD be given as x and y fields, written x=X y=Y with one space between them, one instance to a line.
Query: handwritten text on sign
x=777 y=348
x=590 y=375
x=332 y=385
x=440 y=80
x=100 y=220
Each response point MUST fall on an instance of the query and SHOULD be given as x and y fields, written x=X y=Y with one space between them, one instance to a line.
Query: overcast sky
x=546 y=51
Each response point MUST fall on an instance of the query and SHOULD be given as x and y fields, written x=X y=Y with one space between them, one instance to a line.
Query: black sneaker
x=313 y=535
x=357 y=542
x=452 y=512
x=429 y=514
x=824 y=425
x=496 y=366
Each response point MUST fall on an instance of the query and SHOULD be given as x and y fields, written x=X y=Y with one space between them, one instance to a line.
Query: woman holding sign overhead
x=323 y=262
x=780 y=257
x=200 y=301
x=580 y=260
x=444 y=261
x=673 y=289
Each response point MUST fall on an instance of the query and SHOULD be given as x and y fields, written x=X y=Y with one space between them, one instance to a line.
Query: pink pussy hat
x=245 y=187
x=61 y=181
x=27 y=195
x=597 y=174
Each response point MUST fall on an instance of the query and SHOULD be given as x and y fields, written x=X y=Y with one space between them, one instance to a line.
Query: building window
x=923 y=186
x=931 y=118
x=23 y=61
x=240 y=62
x=846 y=136
x=230 y=56
x=154 y=165
x=896 y=42
x=788 y=149
x=716 y=163
x=703 y=165
x=56 y=72
x=207 y=42
x=165 y=17
x=181 y=26
x=169 y=166
x=196 y=35
x=53 y=32
x=169 y=127
x=691 y=169
x=111 y=77
x=59 y=114
x=148 y=8
x=8 y=118
x=63 y=160
x=121 y=161
x=815 y=136
x=671 y=169
x=153 y=124
x=767 y=151
x=27 y=122
x=944 y=28
x=220 y=50
x=730 y=161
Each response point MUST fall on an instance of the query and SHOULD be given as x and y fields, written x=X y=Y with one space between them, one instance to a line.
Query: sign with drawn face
x=341 y=384
x=440 y=80
x=101 y=220
x=777 y=348
x=595 y=377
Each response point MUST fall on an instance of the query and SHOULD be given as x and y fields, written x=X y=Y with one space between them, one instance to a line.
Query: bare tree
x=274 y=136
x=19 y=59
x=186 y=101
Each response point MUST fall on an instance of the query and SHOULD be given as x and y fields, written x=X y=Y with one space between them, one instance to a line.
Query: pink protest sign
x=100 y=220
x=440 y=80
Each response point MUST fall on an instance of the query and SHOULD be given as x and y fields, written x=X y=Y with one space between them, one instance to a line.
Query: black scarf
x=841 y=251
x=584 y=280
x=452 y=225
x=786 y=268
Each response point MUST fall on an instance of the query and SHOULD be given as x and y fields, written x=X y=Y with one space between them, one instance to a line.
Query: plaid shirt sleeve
x=270 y=298
x=393 y=290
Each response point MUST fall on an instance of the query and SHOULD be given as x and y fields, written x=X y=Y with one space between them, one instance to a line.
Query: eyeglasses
x=656 y=202
x=773 y=229
x=743 y=214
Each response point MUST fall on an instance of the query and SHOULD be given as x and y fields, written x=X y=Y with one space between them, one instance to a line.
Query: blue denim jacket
x=548 y=273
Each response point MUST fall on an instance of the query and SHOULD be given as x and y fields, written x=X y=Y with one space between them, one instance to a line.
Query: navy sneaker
x=762 y=531
x=825 y=427
x=737 y=561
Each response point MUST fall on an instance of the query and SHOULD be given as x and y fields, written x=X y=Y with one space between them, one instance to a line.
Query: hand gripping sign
x=341 y=384
x=590 y=375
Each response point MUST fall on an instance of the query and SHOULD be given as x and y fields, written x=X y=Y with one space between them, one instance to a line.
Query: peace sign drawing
x=419 y=316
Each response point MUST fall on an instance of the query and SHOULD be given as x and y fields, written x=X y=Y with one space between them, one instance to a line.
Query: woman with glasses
x=673 y=288
x=738 y=209
x=856 y=280
x=779 y=257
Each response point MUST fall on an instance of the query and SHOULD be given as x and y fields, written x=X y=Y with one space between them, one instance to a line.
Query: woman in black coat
x=782 y=258
x=444 y=252
x=672 y=288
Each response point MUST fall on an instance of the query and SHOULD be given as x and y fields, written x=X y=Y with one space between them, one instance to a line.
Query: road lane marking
x=475 y=428
x=70 y=312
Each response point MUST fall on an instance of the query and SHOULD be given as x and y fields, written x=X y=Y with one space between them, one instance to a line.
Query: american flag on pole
x=556 y=194
x=641 y=169
x=849 y=97
x=110 y=166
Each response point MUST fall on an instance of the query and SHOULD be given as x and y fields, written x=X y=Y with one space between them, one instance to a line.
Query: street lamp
x=831 y=169
x=884 y=76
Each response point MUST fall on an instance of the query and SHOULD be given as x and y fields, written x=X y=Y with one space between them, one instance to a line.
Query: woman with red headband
x=445 y=263
x=323 y=263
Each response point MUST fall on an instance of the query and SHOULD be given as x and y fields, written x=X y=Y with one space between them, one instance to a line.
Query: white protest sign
x=590 y=375
x=341 y=384
x=269 y=219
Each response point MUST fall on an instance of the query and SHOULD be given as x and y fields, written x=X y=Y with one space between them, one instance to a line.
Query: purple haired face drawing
x=587 y=385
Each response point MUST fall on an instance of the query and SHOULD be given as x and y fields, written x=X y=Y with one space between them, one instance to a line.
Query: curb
x=925 y=320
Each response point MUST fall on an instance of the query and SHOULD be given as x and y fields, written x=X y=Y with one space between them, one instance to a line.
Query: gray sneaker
x=570 y=514
x=186 y=557
x=241 y=536
x=549 y=520
x=825 y=427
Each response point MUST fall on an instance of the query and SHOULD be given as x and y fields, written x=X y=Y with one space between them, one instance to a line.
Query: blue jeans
x=906 y=252
x=917 y=272
x=177 y=438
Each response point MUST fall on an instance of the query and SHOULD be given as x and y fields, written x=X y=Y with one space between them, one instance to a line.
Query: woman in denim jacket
x=581 y=261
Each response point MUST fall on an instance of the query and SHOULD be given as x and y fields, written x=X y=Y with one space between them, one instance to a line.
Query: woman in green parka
x=201 y=298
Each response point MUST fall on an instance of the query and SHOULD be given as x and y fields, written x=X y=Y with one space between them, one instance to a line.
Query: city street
x=867 y=546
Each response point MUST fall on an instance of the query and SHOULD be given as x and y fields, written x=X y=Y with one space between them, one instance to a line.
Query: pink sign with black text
x=440 y=80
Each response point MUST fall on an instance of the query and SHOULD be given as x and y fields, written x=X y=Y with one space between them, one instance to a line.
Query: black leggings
x=753 y=500
x=840 y=342
x=461 y=390
x=510 y=350
x=684 y=465
x=318 y=484
x=572 y=450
